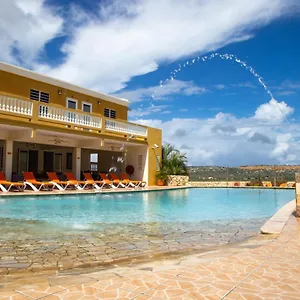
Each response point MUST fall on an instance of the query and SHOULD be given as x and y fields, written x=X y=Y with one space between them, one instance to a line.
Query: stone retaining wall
x=289 y=184
x=217 y=183
x=177 y=180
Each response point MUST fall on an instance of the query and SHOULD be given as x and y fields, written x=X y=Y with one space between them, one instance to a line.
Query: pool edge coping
x=121 y=190
x=277 y=222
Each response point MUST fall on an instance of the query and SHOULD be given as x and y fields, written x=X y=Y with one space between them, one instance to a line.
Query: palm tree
x=173 y=162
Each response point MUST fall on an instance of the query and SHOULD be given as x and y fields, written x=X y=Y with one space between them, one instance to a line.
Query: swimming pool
x=62 y=232
x=184 y=205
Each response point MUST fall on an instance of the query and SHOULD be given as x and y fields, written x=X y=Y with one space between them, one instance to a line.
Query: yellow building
x=51 y=125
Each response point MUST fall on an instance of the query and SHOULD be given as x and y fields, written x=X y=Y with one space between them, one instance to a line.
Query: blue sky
x=215 y=111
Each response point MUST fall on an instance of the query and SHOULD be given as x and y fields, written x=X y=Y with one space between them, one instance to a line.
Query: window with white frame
x=109 y=113
x=94 y=162
x=39 y=96
x=86 y=107
x=71 y=103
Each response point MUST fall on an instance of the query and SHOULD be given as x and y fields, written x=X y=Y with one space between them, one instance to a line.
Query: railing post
x=297 y=180
x=103 y=127
x=35 y=111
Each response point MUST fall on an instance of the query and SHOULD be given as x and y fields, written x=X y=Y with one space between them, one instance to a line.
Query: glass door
x=58 y=162
x=23 y=161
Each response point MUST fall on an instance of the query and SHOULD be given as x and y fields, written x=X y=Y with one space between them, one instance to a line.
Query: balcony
x=15 y=106
x=69 y=116
x=125 y=127
x=37 y=112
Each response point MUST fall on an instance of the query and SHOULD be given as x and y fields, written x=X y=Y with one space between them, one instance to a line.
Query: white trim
x=71 y=99
x=61 y=84
x=87 y=103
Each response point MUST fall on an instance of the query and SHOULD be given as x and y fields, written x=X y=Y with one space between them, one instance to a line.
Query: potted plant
x=161 y=177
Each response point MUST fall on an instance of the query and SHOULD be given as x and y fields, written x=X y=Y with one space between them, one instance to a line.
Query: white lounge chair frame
x=34 y=188
x=6 y=190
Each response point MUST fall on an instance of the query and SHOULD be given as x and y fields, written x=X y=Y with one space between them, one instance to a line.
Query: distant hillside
x=268 y=167
x=243 y=173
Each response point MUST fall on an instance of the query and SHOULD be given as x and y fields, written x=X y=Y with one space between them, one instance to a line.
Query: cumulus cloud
x=223 y=128
x=260 y=137
x=228 y=140
x=273 y=111
x=123 y=39
x=25 y=27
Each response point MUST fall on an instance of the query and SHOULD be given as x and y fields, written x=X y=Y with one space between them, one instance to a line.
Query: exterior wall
x=140 y=166
x=154 y=154
x=20 y=86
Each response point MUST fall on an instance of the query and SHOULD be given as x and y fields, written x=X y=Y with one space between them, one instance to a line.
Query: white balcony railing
x=69 y=116
x=124 y=127
x=15 y=105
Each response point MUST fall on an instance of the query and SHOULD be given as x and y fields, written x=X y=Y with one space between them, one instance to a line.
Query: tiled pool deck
x=265 y=267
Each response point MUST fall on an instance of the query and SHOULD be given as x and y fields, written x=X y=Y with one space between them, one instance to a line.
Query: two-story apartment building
x=51 y=125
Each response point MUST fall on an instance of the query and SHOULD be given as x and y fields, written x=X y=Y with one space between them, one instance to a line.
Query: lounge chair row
x=71 y=182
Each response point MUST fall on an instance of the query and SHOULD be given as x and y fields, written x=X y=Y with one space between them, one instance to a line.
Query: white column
x=76 y=162
x=8 y=159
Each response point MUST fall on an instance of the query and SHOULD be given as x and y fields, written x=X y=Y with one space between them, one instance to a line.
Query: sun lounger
x=107 y=180
x=122 y=183
x=98 y=184
x=267 y=183
x=60 y=185
x=137 y=183
x=5 y=186
x=80 y=184
x=29 y=180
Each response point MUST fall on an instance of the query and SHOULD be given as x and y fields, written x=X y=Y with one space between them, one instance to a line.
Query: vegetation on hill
x=249 y=173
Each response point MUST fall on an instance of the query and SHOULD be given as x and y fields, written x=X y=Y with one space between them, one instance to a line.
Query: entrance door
x=23 y=161
x=48 y=161
x=33 y=161
x=58 y=162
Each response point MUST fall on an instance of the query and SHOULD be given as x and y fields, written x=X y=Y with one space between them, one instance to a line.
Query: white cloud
x=244 y=85
x=131 y=38
x=169 y=89
x=286 y=93
x=25 y=27
x=273 y=111
x=228 y=140
x=146 y=111
x=220 y=86
x=287 y=88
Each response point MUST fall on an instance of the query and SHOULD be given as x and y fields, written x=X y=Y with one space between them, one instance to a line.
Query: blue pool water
x=188 y=205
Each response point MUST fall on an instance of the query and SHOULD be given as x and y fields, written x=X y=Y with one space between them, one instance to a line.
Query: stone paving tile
x=41 y=290
x=13 y=296
x=92 y=292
